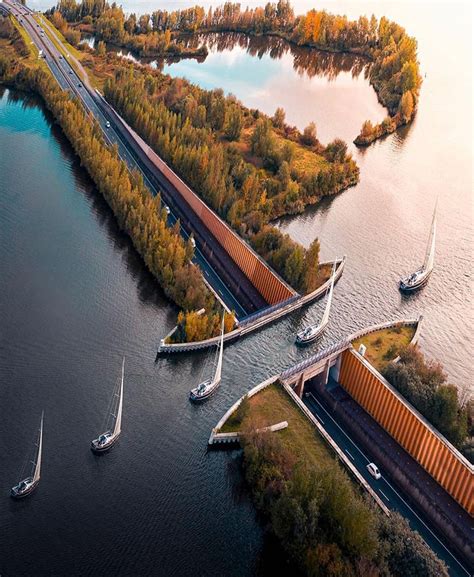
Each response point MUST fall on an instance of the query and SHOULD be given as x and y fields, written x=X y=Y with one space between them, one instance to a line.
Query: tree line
x=394 y=72
x=194 y=130
x=166 y=254
x=424 y=384
x=109 y=23
x=324 y=525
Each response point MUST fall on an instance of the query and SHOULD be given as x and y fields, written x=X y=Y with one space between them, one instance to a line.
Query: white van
x=374 y=471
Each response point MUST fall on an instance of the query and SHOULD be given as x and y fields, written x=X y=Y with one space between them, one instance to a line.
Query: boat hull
x=104 y=448
x=200 y=398
x=26 y=492
x=407 y=288
x=307 y=341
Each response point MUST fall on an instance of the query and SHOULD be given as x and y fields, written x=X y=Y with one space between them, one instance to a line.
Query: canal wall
x=258 y=322
x=414 y=486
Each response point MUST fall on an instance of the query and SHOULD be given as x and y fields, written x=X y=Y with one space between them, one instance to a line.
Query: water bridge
x=340 y=366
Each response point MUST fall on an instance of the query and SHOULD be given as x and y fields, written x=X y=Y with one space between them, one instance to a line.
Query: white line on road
x=349 y=454
x=382 y=493
x=396 y=492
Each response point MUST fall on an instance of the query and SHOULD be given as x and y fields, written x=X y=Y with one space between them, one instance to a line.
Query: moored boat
x=419 y=278
x=312 y=332
x=205 y=389
x=28 y=485
x=105 y=441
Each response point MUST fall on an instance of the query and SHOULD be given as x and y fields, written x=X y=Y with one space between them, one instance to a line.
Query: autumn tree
x=309 y=136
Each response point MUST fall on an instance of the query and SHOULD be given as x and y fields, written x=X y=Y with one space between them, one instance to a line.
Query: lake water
x=74 y=298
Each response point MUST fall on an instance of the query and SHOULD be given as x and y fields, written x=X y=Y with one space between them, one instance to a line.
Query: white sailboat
x=107 y=439
x=312 y=332
x=29 y=484
x=208 y=387
x=420 y=277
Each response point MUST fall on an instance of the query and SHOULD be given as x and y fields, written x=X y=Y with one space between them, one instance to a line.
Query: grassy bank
x=324 y=523
x=271 y=406
x=385 y=345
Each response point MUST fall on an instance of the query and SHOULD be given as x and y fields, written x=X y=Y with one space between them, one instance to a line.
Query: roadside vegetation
x=248 y=182
x=138 y=213
x=424 y=384
x=384 y=345
x=324 y=523
x=394 y=73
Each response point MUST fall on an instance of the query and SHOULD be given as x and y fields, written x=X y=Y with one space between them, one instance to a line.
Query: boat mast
x=217 y=376
x=118 y=420
x=325 y=318
x=430 y=250
x=37 y=472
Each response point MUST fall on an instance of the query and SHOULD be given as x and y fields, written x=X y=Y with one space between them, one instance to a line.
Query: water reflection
x=306 y=61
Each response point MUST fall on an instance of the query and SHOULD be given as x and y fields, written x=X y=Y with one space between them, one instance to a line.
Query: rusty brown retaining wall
x=272 y=287
x=434 y=453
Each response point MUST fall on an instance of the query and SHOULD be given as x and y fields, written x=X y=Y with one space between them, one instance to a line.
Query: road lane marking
x=384 y=495
x=340 y=428
x=349 y=455
x=398 y=494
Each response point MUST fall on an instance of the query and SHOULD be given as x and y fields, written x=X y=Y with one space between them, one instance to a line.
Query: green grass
x=384 y=345
x=273 y=405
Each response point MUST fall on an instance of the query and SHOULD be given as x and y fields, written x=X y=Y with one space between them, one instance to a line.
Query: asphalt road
x=383 y=486
x=68 y=79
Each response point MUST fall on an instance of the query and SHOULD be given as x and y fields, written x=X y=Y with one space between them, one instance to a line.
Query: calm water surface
x=74 y=298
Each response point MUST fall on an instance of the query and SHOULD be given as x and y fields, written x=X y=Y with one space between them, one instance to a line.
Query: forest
x=109 y=24
x=249 y=168
x=424 y=384
x=323 y=523
x=394 y=72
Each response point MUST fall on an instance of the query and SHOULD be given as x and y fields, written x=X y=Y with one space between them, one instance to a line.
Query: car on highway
x=107 y=124
x=374 y=471
x=60 y=56
x=167 y=209
x=70 y=71
x=80 y=84
x=193 y=242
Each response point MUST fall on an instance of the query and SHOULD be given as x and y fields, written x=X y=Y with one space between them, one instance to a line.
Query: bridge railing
x=304 y=364
x=266 y=310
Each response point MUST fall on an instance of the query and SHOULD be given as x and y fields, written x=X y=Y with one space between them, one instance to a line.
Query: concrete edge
x=165 y=348
x=339 y=453
x=235 y=406
x=235 y=436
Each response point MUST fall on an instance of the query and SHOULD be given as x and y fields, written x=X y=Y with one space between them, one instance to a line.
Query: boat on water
x=205 y=389
x=312 y=332
x=28 y=485
x=105 y=441
x=420 y=277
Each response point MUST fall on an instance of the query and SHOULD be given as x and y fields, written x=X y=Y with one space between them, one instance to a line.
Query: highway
x=383 y=486
x=68 y=79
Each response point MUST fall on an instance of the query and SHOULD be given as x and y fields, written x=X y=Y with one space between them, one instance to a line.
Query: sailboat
x=107 y=439
x=29 y=484
x=420 y=277
x=208 y=387
x=312 y=332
